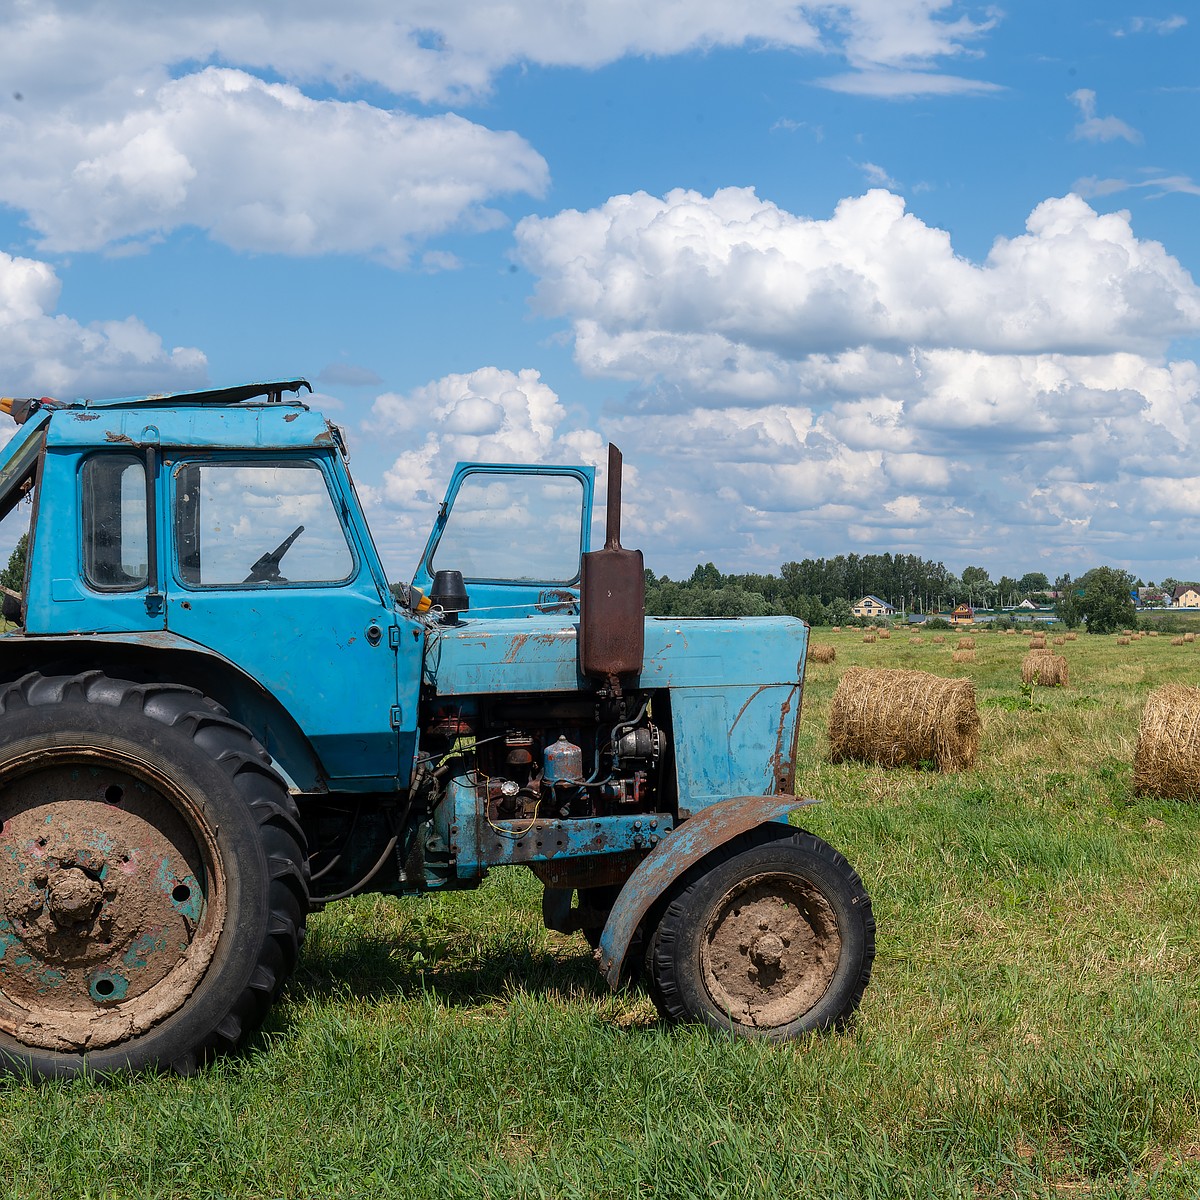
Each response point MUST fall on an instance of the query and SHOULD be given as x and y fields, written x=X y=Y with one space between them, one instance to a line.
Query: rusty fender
x=682 y=848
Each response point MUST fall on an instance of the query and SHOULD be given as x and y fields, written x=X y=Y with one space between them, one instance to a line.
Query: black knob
x=449 y=593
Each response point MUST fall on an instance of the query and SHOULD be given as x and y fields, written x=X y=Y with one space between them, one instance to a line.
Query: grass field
x=1030 y=1029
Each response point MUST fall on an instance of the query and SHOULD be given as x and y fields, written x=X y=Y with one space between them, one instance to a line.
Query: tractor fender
x=680 y=849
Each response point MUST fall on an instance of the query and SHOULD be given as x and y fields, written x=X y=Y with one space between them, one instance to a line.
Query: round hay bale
x=939 y=640
x=965 y=644
x=821 y=654
x=1127 y=633
x=836 y=629
x=1060 y=641
x=1037 y=643
x=884 y=634
x=868 y=637
x=1072 y=637
x=1044 y=669
x=916 y=641
x=1027 y=633
x=1189 y=637
x=1123 y=641
x=1177 y=641
x=1040 y=650
x=1166 y=762
x=1010 y=633
x=963 y=656
x=1152 y=633
x=904 y=718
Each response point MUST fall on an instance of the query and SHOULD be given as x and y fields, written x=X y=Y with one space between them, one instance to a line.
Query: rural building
x=1186 y=595
x=872 y=606
x=964 y=614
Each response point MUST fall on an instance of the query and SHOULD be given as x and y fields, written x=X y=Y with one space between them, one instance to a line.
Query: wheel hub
x=110 y=913
x=770 y=950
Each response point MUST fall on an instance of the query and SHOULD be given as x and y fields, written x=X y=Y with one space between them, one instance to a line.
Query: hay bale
x=884 y=634
x=821 y=654
x=1072 y=637
x=1127 y=633
x=1166 y=762
x=1044 y=669
x=916 y=641
x=1189 y=637
x=1010 y=633
x=1027 y=633
x=1152 y=633
x=965 y=644
x=1060 y=641
x=1037 y=643
x=904 y=718
x=836 y=629
x=1123 y=641
x=1040 y=650
x=868 y=637
x=1178 y=641
x=939 y=640
x=963 y=656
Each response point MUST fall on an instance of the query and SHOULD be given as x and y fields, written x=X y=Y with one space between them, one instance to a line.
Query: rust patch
x=783 y=766
x=323 y=439
x=518 y=644
x=290 y=417
x=87 y=416
x=112 y=435
x=749 y=701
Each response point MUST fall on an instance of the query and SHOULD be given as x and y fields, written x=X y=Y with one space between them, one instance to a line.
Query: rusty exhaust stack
x=612 y=598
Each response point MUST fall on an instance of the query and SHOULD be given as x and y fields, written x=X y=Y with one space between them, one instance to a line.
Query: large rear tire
x=153 y=877
x=774 y=940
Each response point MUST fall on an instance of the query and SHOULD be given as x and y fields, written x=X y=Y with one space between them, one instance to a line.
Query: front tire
x=153 y=878
x=774 y=940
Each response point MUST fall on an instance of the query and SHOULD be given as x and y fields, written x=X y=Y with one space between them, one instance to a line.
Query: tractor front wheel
x=153 y=881
x=774 y=940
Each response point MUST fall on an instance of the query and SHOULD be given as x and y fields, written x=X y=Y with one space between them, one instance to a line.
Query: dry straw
x=1010 y=633
x=1072 y=637
x=883 y=633
x=1123 y=641
x=1152 y=633
x=939 y=640
x=821 y=654
x=836 y=629
x=966 y=644
x=916 y=641
x=1044 y=669
x=1127 y=633
x=1060 y=641
x=963 y=656
x=1178 y=641
x=1037 y=643
x=904 y=718
x=1167 y=759
x=868 y=637
x=1189 y=637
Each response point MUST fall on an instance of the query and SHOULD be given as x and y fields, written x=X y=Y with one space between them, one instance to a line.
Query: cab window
x=265 y=523
x=115 y=540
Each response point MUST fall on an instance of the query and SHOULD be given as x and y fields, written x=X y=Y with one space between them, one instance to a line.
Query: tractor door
x=516 y=533
x=272 y=568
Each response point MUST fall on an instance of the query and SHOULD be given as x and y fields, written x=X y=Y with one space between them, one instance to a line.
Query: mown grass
x=1030 y=1029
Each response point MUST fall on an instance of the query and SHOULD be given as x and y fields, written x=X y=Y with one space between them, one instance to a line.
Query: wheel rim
x=770 y=950
x=113 y=897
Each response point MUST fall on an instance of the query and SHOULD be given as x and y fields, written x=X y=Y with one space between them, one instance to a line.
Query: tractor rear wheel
x=774 y=940
x=153 y=879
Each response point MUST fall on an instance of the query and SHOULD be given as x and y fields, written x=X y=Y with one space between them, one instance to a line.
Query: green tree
x=1033 y=581
x=1106 y=604
x=13 y=575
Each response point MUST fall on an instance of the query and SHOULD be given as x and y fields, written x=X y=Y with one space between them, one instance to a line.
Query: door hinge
x=396 y=716
x=394 y=636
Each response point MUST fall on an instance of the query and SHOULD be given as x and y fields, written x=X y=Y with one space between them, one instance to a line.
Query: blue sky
x=837 y=277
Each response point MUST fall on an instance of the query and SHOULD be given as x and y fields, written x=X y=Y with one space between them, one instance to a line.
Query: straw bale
x=1060 y=641
x=939 y=640
x=1072 y=637
x=965 y=644
x=1123 y=641
x=904 y=718
x=1027 y=633
x=1189 y=637
x=1010 y=633
x=836 y=629
x=1044 y=669
x=1037 y=643
x=916 y=641
x=868 y=637
x=885 y=634
x=1040 y=650
x=1166 y=762
x=1178 y=641
x=821 y=654
x=1152 y=633
x=963 y=656
x=1127 y=633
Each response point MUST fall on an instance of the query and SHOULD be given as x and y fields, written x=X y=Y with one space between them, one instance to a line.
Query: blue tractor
x=216 y=716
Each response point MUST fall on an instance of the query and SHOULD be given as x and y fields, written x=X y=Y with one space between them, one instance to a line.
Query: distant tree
x=1068 y=608
x=1107 y=605
x=13 y=575
x=1007 y=589
x=1033 y=581
x=978 y=585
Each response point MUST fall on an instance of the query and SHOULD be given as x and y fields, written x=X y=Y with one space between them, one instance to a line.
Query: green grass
x=1030 y=1028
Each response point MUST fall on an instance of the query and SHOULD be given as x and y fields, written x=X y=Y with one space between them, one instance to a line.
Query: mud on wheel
x=774 y=939
x=153 y=882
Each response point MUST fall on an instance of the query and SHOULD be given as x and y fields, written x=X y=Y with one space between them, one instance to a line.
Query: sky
x=840 y=276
